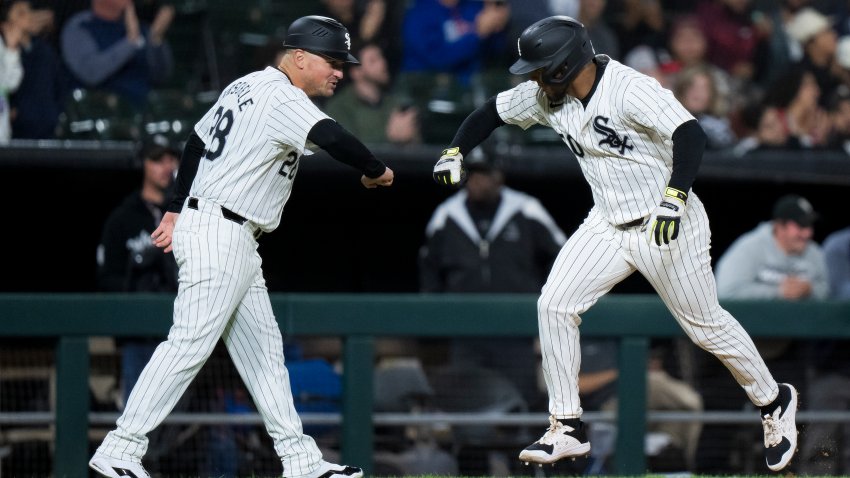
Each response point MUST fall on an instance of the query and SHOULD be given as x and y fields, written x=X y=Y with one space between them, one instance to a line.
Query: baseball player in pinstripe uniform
x=640 y=151
x=236 y=175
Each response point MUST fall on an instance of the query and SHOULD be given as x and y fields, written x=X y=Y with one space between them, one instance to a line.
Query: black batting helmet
x=558 y=44
x=322 y=35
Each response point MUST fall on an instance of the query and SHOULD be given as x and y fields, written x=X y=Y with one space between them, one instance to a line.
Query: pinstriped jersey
x=622 y=140
x=255 y=135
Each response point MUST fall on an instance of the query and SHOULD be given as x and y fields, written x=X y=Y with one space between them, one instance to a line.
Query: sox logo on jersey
x=610 y=136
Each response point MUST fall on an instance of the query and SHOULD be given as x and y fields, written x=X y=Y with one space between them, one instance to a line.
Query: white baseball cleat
x=563 y=439
x=780 y=428
x=331 y=470
x=115 y=468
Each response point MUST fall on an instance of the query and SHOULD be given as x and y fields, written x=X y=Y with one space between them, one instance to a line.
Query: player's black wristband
x=688 y=146
x=477 y=126
x=189 y=162
x=345 y=148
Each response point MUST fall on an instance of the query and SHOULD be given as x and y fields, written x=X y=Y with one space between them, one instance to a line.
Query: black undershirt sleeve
x=189 y=161
x=688 y=146
x=345 y=148
x=477 y=127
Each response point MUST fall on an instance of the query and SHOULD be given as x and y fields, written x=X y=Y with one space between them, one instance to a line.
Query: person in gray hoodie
x=776 y=260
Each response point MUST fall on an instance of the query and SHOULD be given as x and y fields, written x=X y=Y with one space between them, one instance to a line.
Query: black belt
x=637 y=222
x=225 y=213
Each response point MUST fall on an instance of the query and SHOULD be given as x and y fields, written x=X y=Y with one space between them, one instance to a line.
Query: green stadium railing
x=358 y=319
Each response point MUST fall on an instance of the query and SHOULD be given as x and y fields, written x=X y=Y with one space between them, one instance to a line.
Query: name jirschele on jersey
x=622 y=140
x=249 y=121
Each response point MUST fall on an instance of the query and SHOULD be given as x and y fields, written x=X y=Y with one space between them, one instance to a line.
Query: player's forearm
x=345 y=148
x=189 y=162
x=688 y=146
x=477 y=127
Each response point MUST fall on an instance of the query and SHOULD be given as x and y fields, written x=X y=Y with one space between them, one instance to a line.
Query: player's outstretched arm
x=162 y=236
x=449 y=170
x=345 y=148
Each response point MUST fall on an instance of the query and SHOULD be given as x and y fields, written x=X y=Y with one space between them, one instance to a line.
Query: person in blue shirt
x=107 y=48
x=453 y=36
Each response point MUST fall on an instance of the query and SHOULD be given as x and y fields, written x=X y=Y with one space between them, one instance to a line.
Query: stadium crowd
x=758 y=74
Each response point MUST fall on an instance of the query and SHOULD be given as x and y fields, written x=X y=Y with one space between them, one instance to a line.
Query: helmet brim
x=522 y=67
x=335 y=55
x=349 y=58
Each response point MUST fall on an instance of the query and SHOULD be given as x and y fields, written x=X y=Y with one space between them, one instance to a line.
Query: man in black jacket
x=488 y=238
x=127 y=260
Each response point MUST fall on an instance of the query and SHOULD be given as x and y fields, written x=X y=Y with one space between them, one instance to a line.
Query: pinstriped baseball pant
x=221 y=293
x=597 y=257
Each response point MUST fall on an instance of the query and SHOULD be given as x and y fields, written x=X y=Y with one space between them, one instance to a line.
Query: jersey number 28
x=223 y=122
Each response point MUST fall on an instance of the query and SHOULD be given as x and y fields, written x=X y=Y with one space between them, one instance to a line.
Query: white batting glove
x=449 y=170
x=666 y=220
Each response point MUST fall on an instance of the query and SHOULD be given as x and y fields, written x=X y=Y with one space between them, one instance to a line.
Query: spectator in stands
x=814 y=33
x=696 y=89
x=836 y=249
x=839 y=117
x=645 y=60
x=453 y=36
x=367 y=109
x=14 y=18
x=781 y=50
x=127 y=260
x=777 y=259
x=601 y=34
x=824 y=450
x=687 y=47
x=363 y=20
x=40 y=98
x=374 y=21
x=597 y=383
x=640 y=22
x=768 y=131
x=489 y=238
x=108 y=48
x=733 y=37
x=796 y=95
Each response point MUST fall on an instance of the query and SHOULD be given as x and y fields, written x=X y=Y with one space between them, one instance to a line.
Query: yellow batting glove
x=666 y=220
x=449 y=170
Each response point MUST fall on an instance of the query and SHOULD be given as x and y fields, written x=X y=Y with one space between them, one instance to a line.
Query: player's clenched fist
x=449 y=169
x=385 y=179
x=666 y=219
